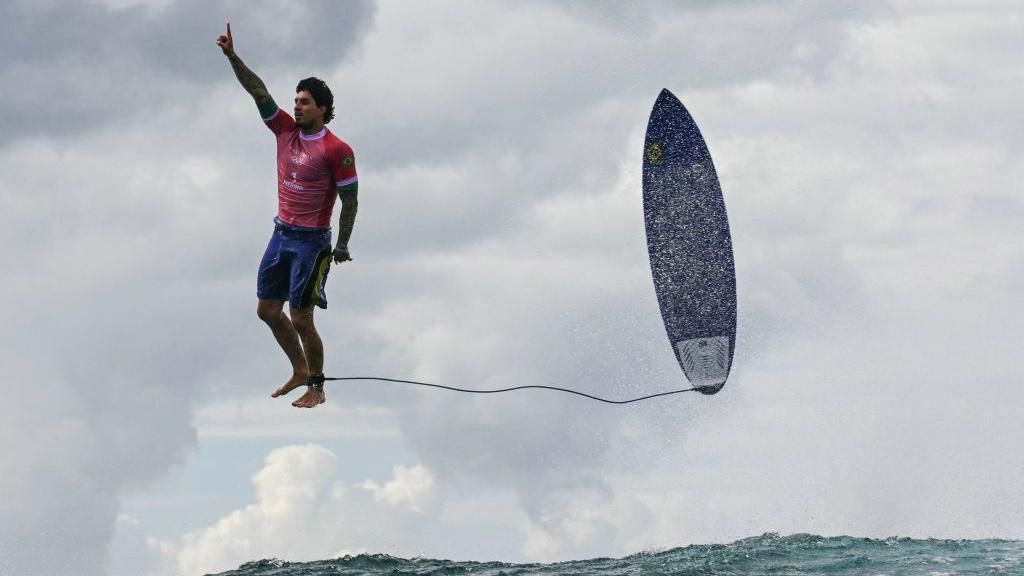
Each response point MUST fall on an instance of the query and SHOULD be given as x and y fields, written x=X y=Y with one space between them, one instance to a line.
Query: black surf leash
x=318 y=382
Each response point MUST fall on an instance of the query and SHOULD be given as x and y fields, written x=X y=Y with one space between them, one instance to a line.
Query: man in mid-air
x=313 y=168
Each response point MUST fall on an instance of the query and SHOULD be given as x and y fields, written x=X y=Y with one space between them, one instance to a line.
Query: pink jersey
x=310 y=168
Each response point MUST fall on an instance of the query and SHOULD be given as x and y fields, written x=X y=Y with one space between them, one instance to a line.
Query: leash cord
x=452 y=388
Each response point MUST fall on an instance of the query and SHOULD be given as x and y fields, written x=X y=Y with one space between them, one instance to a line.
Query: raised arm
x=249 y=80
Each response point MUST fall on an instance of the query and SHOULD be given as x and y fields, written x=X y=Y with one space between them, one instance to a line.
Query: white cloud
x=291 y=491
x=303 y=512
x=133 y=552
x=411 y=488
x=110 y=220
x=851 y=193
x=870 y=161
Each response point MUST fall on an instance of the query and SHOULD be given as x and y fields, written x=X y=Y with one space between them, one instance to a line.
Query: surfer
x=313 y=168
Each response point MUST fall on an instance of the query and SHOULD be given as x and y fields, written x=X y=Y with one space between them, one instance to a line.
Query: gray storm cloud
x=849 y=238
x=77 y=66
x=115 y=331
x=869 y=157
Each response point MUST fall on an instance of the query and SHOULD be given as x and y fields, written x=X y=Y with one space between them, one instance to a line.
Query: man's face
x=307 y=114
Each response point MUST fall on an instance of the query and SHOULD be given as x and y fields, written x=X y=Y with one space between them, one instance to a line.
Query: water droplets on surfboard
x=689 y=245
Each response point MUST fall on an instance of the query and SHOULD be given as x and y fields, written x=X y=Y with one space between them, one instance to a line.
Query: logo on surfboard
x=655 y=153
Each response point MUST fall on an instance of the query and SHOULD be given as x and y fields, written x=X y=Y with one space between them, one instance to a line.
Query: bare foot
x=297 y=379
x=311 y=399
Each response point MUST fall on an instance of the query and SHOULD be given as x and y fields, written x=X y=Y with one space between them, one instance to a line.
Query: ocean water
x=798 y=554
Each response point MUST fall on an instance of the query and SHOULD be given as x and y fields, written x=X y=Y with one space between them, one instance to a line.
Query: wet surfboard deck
x=689 y=245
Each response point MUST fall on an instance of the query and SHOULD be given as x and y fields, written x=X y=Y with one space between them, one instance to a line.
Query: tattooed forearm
x=349 y=207
x=249 y=80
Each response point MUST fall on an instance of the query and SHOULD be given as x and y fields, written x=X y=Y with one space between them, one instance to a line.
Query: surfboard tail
x=705 y=361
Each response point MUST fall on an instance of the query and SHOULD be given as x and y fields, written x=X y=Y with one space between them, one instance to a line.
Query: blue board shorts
x=295 y=266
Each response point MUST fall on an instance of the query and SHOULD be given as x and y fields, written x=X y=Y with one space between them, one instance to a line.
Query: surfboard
x=689 y=245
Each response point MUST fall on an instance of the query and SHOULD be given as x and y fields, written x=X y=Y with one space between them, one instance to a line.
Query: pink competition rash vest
x=310 y=168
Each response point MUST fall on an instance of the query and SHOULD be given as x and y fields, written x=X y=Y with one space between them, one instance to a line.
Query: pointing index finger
x=229 y=30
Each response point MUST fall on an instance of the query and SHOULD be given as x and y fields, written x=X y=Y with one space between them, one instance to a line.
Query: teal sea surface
x=798 y=554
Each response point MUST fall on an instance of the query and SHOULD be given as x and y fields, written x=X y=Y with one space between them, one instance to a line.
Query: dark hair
x=321 y=94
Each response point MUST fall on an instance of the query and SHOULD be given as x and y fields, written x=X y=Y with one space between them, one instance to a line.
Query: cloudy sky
x=870 y=153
